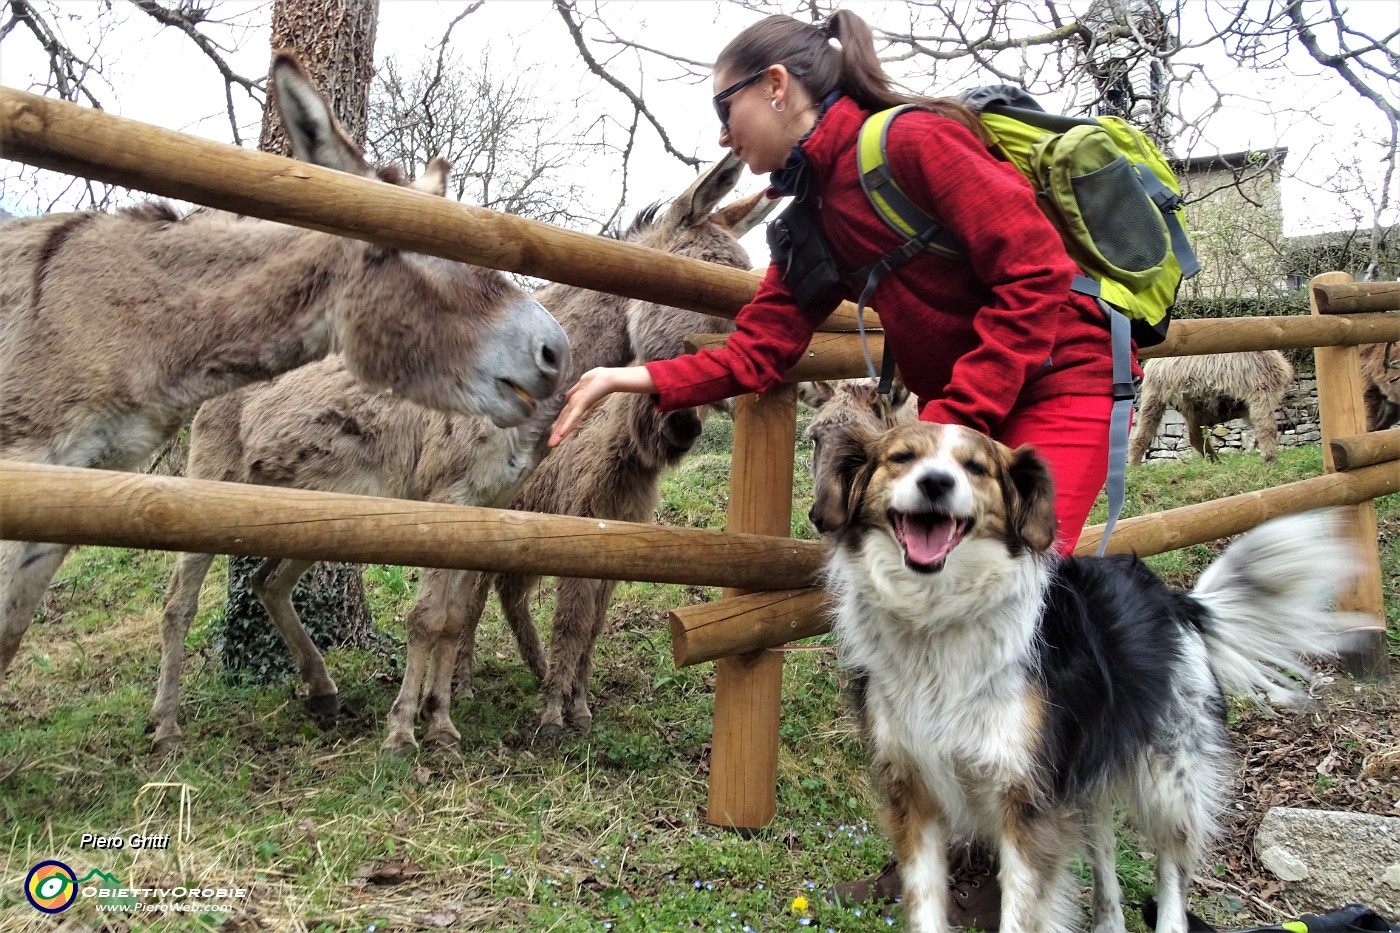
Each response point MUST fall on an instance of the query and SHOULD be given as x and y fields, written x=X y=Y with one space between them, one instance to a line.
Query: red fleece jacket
x=973 y=335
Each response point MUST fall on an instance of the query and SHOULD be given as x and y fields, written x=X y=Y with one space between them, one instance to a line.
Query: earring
x=773 y=102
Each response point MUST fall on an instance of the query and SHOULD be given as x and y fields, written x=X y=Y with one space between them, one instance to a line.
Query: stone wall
x=1296 y=420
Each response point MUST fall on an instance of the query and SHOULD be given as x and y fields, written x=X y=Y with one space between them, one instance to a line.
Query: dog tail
x=1269 y=599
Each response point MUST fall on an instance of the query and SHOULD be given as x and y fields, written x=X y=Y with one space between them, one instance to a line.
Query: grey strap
x=1119 y=420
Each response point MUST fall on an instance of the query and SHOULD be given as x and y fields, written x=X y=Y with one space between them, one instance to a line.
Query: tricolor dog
x=1019 y=697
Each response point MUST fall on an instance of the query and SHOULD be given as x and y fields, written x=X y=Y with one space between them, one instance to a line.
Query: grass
x=586 y=833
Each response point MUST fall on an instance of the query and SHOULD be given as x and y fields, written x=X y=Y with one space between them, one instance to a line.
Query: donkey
x=1209 y=389
x=851 y=408
x=1380 y=375
x=315 y=428
x=113 y=327
x=610 y=468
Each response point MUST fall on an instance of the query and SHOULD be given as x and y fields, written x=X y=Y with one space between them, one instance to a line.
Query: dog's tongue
x=926 y=539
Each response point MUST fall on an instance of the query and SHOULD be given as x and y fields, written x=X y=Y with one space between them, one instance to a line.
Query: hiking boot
x=876 y=889
x=974 y=896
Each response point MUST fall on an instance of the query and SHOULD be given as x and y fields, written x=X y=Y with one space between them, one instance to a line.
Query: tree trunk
x=335 y=41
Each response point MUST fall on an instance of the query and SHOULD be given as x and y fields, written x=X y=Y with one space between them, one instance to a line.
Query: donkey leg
x=181 y=603
x=1149 y=417
x=425 y=626
x=514 y=591
x=580 y=613
x=272 y=583
x=473 y=605
x=1261 y=415
x=26 y=567
x=437 y=702
x=1198 y=432
x=1106 y=909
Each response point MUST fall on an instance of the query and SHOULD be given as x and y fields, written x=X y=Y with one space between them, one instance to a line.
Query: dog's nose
x=935 y=484
x=815 y=518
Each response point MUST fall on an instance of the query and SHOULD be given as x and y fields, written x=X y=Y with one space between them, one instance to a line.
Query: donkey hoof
x=549 y=731
x=398 y=746
x=441 y=738
x=168 y=746
x=583 y=724
x=325 y=708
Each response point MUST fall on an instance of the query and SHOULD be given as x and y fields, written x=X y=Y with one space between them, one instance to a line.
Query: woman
x=993 y=339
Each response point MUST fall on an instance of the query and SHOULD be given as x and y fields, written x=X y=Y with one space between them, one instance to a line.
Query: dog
x=1016 y=697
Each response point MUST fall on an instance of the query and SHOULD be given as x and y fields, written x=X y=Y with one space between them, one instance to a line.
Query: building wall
x=1234 y=215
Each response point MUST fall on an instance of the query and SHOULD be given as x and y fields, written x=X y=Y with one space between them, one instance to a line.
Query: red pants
x=1071 y=433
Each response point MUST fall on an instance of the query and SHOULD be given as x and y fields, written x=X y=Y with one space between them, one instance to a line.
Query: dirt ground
x=1341 y=754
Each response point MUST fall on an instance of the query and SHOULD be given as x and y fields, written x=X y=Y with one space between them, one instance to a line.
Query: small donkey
x=611 y=466
x=113 y=327
x=315 y=428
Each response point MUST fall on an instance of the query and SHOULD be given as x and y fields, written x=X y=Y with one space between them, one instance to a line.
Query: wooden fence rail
x=67 y=505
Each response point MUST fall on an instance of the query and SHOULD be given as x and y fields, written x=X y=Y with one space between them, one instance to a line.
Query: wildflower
x=799 y=905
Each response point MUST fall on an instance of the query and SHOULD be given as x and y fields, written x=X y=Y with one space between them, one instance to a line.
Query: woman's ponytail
x=853 y=68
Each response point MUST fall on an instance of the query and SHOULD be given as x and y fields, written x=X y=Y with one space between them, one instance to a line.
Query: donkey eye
x=974 y=468
x=902 y=456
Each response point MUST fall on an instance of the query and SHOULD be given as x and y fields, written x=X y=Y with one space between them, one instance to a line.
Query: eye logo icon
x=51 y=887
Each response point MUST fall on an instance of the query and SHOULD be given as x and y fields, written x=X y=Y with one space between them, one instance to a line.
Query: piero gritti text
x=134 y=841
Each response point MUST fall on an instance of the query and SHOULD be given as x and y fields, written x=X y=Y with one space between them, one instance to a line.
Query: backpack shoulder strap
x=895 y=207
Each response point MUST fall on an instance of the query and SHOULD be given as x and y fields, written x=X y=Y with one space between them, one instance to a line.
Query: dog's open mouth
x=927 y=538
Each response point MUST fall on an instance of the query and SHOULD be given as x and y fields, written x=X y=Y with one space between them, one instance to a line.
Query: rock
x=1331 y=858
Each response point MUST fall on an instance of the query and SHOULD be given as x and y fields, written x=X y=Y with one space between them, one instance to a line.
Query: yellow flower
x=799 y=905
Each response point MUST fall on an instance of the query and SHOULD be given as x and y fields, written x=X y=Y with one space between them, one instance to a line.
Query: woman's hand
x=590 y=390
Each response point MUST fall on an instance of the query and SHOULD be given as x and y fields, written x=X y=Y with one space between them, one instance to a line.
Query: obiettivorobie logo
x=52 y=887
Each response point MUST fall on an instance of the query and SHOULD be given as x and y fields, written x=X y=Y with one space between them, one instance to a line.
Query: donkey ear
x=434 y=178
x=899 y=393
x=815 y=394
x=314 y=132
x=1031 y=499
x=698 y=201
x=741 y=216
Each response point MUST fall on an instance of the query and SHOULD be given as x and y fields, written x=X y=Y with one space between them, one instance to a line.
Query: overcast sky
x=158 y=77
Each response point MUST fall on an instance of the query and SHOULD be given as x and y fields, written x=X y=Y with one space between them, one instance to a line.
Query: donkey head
x=851 y=414
x=694 y=225
x=441 y=333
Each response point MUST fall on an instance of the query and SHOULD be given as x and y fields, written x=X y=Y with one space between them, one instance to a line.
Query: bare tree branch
x=566 y=11
x=68 y=72
x=187 y=19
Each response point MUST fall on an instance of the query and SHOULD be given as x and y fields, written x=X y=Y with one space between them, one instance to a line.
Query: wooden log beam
x=1341 y=412
x=1294 y=332
x=1208 y=521
x=837 y=355
x=68 y=505
x=94 y=144
x=771 y=619
x=741 y=624
x=1359 y=450
x=749 y=687
x=1350 y=297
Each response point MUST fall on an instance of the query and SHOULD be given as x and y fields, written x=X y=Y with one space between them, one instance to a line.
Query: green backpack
x=1111 y=195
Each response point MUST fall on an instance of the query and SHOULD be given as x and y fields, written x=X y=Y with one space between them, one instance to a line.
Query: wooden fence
x=768 y=596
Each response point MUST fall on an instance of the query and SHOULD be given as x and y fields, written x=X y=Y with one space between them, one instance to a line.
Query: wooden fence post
x=1341 y=414
x=748 y=688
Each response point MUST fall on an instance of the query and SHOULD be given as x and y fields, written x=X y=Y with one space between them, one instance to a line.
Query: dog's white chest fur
x=948 y=661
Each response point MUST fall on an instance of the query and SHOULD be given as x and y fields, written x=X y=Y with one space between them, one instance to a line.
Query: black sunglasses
x=722 y=108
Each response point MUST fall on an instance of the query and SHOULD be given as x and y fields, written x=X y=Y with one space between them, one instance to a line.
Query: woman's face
x=749 y=126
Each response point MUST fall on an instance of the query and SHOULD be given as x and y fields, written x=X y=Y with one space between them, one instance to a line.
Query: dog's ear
x=1031 y=499
x=842 y=456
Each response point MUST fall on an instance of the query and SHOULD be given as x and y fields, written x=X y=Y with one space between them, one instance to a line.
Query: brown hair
x=854 y=68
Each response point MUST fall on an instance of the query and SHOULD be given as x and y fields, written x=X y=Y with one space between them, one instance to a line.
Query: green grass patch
x=605 y=831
